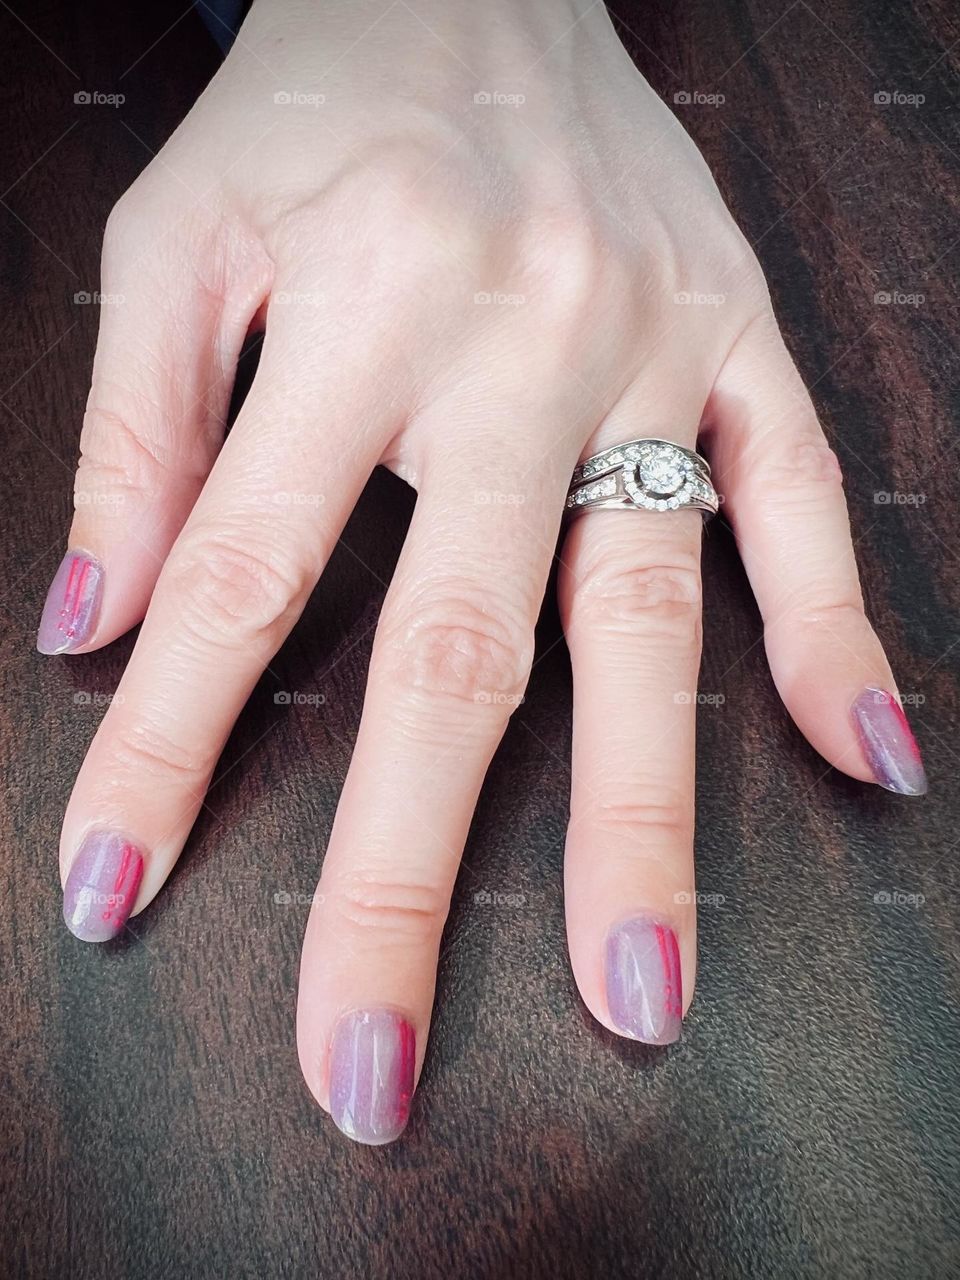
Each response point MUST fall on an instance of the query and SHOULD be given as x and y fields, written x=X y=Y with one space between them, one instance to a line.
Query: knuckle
x=145 y=749
x=132 y=214
x=122 y=220
x=401 y=909
x=648 y=825
x=459 y=651
x=231 y=592
x=800 y=473
x=400 y=230
x=662 y=598
x=563 y=258
x=115 y=456
x=843 y=616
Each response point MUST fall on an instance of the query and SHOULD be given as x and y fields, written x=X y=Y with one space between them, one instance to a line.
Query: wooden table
x=153 y=1118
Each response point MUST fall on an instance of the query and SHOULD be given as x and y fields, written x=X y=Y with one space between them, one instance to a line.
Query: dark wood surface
x=152 y=1114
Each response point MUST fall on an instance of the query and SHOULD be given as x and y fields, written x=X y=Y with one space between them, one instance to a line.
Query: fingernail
x=644 y=989
x=72 y=604
x=102 y=886
x=888 y=744
x=371 y=1075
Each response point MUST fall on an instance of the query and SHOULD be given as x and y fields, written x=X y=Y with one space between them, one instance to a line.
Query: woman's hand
x=483 y=249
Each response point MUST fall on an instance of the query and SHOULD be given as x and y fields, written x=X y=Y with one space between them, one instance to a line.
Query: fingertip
x=643 y=983
x=72 y=607
x=887 y=742
x=101 y=886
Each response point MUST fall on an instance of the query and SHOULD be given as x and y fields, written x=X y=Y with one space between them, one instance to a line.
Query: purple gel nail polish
x=888 y=744
x=644 y=990
x=72 y=604
x=371 y=1075
x=102 y=886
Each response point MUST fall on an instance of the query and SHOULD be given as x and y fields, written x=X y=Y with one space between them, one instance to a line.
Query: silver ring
x=647 y=474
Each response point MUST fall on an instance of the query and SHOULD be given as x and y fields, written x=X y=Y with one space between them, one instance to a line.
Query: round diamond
x=661 y=471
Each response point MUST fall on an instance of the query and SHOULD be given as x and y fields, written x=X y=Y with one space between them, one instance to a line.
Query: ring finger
x=630 y=601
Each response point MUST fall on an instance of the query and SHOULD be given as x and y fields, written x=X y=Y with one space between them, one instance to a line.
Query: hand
x=476 y=291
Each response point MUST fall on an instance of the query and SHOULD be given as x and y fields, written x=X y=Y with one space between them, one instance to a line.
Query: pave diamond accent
x=605 y=487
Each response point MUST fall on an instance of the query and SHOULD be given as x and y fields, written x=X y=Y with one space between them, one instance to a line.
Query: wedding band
x=648 y=474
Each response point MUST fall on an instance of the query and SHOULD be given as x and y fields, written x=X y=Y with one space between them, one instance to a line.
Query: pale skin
x=360 y=231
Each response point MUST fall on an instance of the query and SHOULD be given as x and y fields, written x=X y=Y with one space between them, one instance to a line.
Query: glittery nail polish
x=102 y=886
x=72 y=604
x=372 y=1061
x=644 y=989
x=888 y=744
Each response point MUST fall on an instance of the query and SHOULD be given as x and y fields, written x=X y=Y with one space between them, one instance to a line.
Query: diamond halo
x=658 y=476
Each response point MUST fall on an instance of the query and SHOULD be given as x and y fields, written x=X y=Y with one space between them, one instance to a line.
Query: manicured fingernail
x=371 y=1075
x=72 y=604
x=888 y=744
x=102 y=886
x=644 y=990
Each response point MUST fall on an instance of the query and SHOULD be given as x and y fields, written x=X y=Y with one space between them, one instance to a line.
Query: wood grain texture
x=152 y=1115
